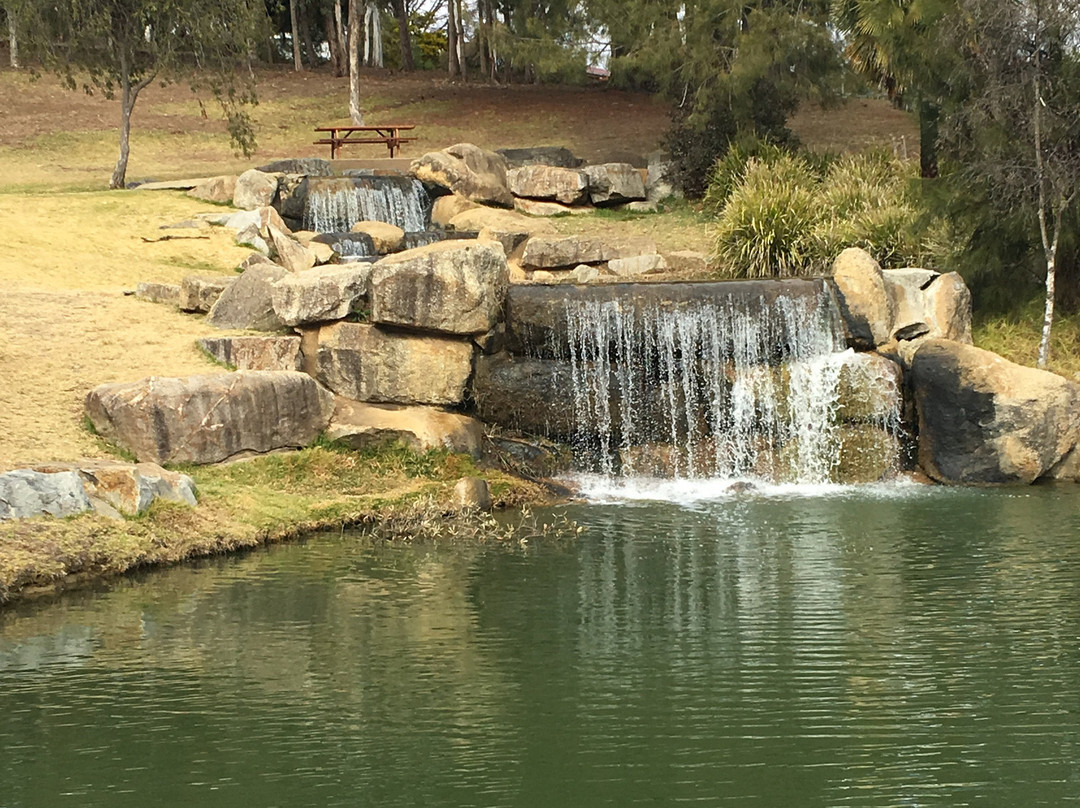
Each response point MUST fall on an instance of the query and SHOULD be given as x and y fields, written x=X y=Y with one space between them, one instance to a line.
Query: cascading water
x=335 y=205
x=722 y=389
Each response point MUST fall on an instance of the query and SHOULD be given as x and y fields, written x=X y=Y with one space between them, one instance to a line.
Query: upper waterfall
x=334 y=205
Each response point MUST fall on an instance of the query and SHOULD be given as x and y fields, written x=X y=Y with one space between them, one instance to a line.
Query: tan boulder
x=361 y=425
x=365 y=363
x=558 y=252
x=535 y=207
x=614 y=183
x=984 y=420
x=549 y=183
x=865 y=303
x=168 y=293
x=248 y=302
x=950 y=307
x=323 y=252
x=207 y=419
x=289 y=252
x=453 y=287
x=387 y=238
x=472 y=494
x=445 y=208
x=637 y=265
x=219 y=190
x=254 y=353
x=322 y=294
x=255 y=189
x=198 y=293
x=479 y=218
x=466 y=170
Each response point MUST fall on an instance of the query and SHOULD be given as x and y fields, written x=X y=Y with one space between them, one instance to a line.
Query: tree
x=11 y=9
x=1015 y=126
x=356 y=23
x=401 y=14
x=122 y=46
x=294 y=20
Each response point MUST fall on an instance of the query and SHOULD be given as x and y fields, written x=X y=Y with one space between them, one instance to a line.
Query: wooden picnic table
x=390 y=134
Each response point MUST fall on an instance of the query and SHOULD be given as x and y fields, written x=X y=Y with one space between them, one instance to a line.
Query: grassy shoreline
x=250 y=503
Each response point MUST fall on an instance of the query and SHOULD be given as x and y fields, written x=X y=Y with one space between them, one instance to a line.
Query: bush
x=786 y=214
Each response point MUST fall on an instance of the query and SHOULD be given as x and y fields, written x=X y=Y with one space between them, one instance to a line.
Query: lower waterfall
x=727 y=390
x=334 y=205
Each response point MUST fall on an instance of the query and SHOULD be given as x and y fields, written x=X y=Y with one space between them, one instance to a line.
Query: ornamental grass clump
x=787 y=215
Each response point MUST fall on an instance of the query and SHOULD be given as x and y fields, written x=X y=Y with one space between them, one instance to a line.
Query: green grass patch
x=1016 y=337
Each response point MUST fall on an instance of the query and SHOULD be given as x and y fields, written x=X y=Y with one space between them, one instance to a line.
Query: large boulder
x=308 y=166
x=927 y=303
x=473 y=220
x=525 y=394
x=126 y=489
x=199 y=293
x=255 y=189
x=361 y=425
x=366 y=363
x=637 y=265
x=557 y=252
x=467 y=170
x=254 y=353
x=454 y=287
x=564 y=185
x=386 y=238
x=985 y=420
x=614 y=183
x=25 y=493
x=447 y=207
x=949 y=305
x=248 y=302
x=559 y=156
x=168 y=293
x=219 y=190
x=207 y=419
x=536 y=207
x=322 y=294
x=865 y=303
x=290 y=253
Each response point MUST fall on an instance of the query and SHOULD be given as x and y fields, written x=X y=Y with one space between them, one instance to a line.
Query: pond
x=870 y=646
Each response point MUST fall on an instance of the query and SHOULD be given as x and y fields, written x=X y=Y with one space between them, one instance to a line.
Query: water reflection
x=847 y=650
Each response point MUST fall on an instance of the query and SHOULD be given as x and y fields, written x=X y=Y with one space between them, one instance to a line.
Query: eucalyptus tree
x=120 y=47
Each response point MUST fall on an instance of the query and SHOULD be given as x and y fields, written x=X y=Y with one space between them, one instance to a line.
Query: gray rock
x=289 y=252
x=248 y=302
x=309 y=166
x=865 y=303
x=322 y=294
x=453 y=287
x=168 y=293
x=638 y=265
x=529 y=395
x=986 y=421
x=365 y=363
x=557 y=252
x=361 y=425
x=466 y=170
x=614 y=183
x=25 y=493
x=472 y=494
x=564 y=185
x=198 y=293
x=215 y=189
x=207 y=419
x=260 y=219
x=125 y=489
x=558 y=156
x=583 y=273
x=688 y=262
x=251 y=238
x=255 y=189
x=254 y=353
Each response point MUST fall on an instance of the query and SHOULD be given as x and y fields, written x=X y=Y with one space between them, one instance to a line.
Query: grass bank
x=259 y=501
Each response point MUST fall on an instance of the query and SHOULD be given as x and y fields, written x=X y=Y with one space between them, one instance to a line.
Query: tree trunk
x=339 y=33
x=460 y=39
x=928 y=135
x=129 y=94
x=355 y=112
x=404 y=37
x=481 y=37
x=373 y=53
x=305 y=35
x=13 y=39
x=298 y=63
x=451 y=38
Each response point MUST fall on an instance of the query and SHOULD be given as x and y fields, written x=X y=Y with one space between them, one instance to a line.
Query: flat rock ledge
x=108 y=488
x=211 y=418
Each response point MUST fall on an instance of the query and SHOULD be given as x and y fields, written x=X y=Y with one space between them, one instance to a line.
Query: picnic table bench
x=344 y=135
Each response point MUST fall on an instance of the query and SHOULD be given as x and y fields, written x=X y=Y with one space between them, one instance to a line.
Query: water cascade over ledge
x=334 y=205
x=755 y=384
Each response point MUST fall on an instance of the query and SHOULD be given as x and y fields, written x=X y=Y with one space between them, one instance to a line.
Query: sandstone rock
x=549 y=183
x=365 y=363
x=554 y=252
x=688 y=262
x=540 y=155
x=525 y=394
x=248 y=302
x=308 y=166
x=984 y=420
x=447 y=207
x=614 y=183
x=949 y=305
x=479 y=218
x=207 y=419
x=290 y=253
x=541 y=276
x=512 y=241
x=199 y=293
x=864 y=301
x=319 y=295
x=466 y=170
x=869 y=388
x=533 y=207
x=251 y=238
x=454 y=287
x=660 y=183
x=387 y=238
x=261 y=218
x=638 y=265
x=256 y=260
x=255 y=189
x=472 y=494
x=168 y=293
x=131 y=489
x=360 y=425
x=254 y=353
x=583 y=273
x=25 y=493
x=215 y=189
x=324 y=253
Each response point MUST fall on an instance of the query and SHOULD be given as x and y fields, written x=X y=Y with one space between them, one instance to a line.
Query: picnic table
x=339 y=136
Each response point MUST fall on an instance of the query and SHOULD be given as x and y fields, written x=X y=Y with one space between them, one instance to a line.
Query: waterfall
x=726 y=389
x=335 y=205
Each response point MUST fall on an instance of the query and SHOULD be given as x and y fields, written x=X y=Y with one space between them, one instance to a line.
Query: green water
x=897 y=648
